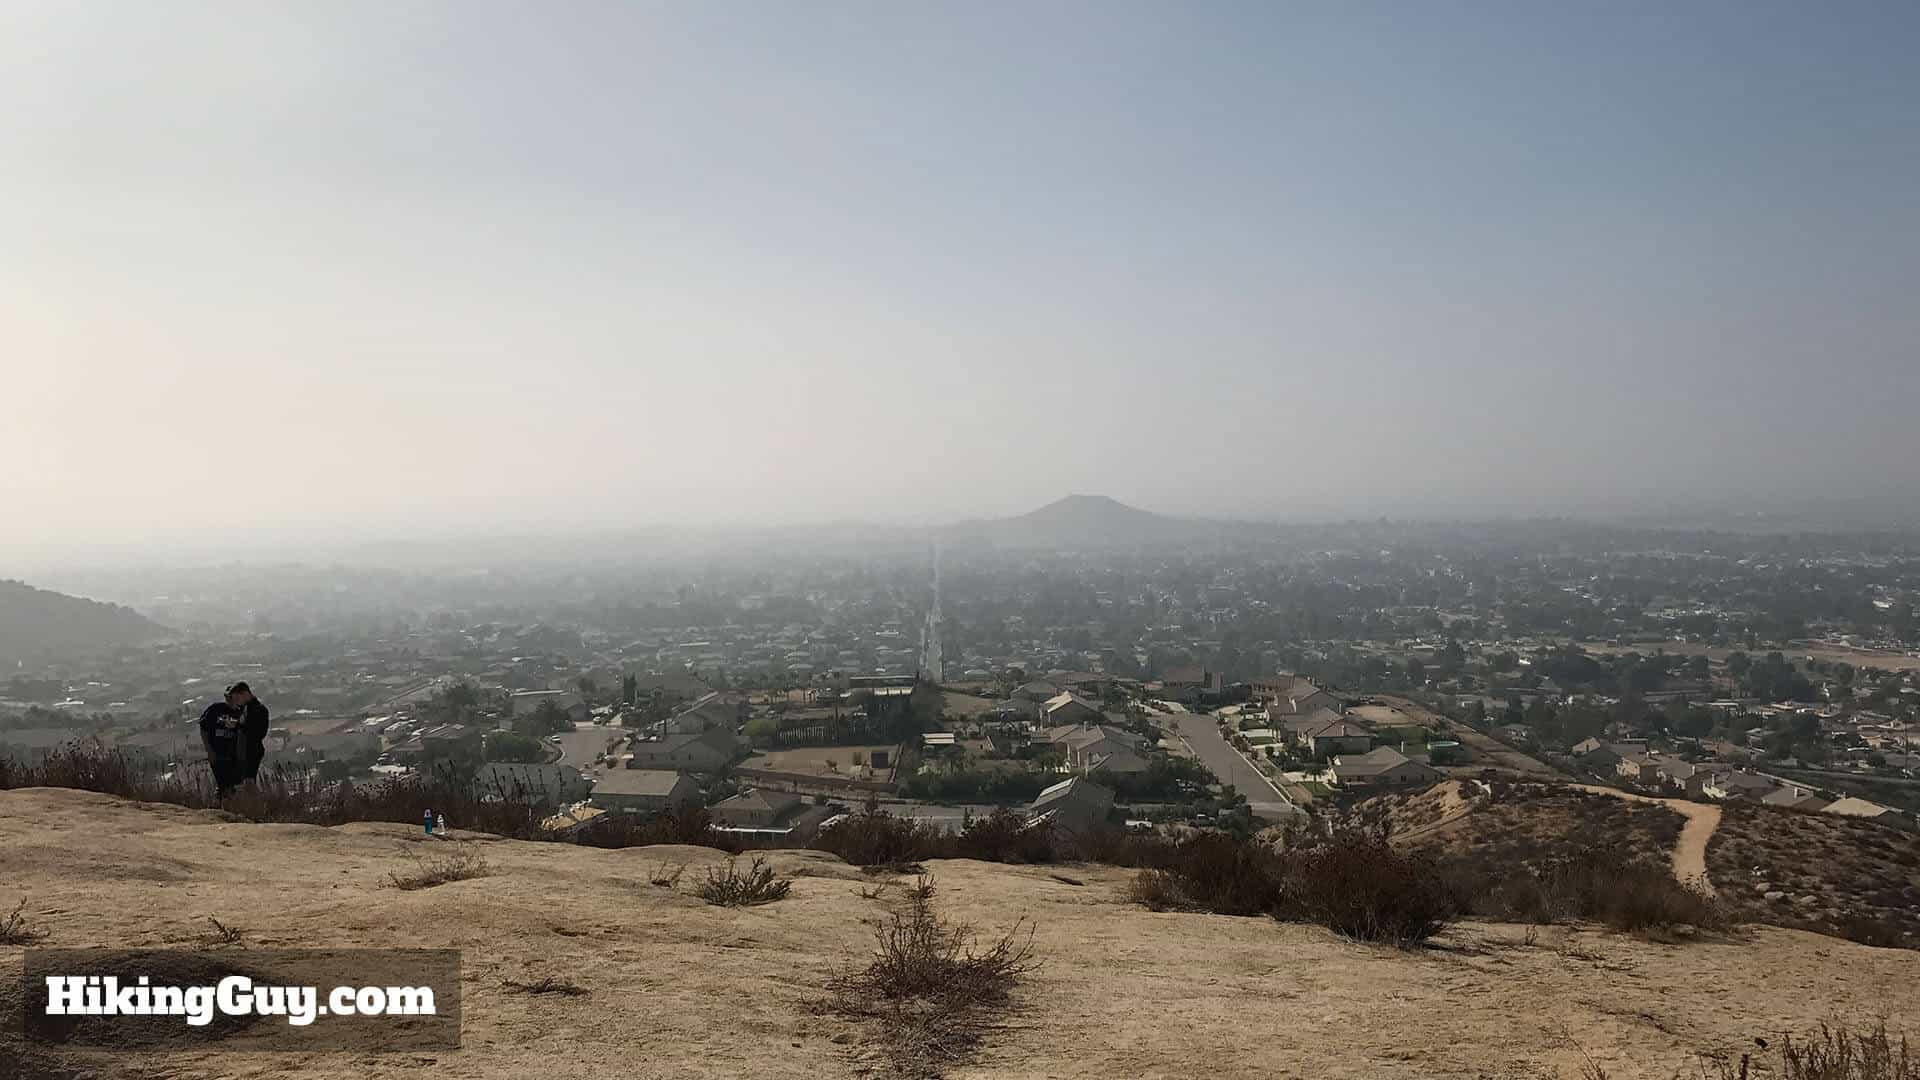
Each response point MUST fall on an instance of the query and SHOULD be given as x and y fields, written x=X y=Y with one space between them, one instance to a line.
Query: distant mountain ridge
x=1090 y=521
x=37 y=624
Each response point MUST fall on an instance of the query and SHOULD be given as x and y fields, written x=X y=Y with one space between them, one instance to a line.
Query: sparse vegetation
x=668 y=877
x=227 y=935
x=1351 y=882
x=458 y=864
x=16 y=930
x=1833 y=1053
x=730 y=887
x=929 y=987
x=546 y=984
x=1832 y=875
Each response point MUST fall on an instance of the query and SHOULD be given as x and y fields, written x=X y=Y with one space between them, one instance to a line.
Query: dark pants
x=250 y=754
x=227 y=773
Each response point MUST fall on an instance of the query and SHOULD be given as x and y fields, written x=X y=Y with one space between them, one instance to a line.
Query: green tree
x=514 y=746
x=548 y=719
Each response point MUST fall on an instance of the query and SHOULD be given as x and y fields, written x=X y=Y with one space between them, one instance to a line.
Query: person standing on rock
x=221 y=734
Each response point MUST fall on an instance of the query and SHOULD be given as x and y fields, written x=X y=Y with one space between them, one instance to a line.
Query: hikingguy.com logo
x=363 y=999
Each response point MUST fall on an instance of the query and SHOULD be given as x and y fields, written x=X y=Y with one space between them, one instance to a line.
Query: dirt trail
x=1690 y=851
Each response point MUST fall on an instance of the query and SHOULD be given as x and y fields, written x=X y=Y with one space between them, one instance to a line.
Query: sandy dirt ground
x=681 y=989
x=1690 y=851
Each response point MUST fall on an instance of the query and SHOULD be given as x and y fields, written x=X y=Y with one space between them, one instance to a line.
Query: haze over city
x=356 y=271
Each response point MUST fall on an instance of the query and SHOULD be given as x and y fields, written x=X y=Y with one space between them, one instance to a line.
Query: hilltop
x=675 y=988
x=38 y=624
x=1079 y=521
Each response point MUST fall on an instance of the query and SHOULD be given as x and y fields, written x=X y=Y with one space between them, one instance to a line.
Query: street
x=579 y=746
x=1211 y=749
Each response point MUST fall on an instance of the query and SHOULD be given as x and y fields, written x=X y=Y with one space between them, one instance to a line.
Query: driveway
x=1211 y=749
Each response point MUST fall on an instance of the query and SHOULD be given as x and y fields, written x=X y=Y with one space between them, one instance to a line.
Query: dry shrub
x=1833 y=1053
x=1361 y=887
x=1004 y=837
x=227 y=935
x=1350 y=881
x=15 y=929
x=730 y=887
x=1635 y=897
x=1212 y=872
x=459 y=864
x=930 y=988
x=1839 y=1054
x=879 y=839
x=546 y=984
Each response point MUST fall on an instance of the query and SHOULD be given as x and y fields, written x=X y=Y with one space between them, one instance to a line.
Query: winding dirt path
x=1690 y=851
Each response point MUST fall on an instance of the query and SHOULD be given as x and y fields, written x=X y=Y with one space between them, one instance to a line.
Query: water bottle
x=427 y=820
x=440 y=824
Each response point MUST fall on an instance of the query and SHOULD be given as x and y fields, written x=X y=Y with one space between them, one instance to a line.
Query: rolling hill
x=1079 y=521
x=36 y=624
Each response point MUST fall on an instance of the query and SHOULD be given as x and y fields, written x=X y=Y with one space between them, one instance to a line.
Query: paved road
x=578 y=747
x=1203 y=737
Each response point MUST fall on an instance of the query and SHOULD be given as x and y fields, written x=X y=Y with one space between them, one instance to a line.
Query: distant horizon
x=316 y=547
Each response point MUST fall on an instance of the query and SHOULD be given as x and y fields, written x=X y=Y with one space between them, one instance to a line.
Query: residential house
x=711 y=711
x=644 y=791
x=439 y=741
x=1641 y=769
x=1037 y=691
x=1073 y=807
x=1298 y=728
x=694 y=751
x=523 y=702
x=1870 y=811
x=1337 y=736
x=1383 y=766
x=1793 y=797
x=1303 y=699
x=1682 y=777
x=1084 y=748
x=1068 y=707
x=756 y=808
x=1737 y=784
x=532 y=784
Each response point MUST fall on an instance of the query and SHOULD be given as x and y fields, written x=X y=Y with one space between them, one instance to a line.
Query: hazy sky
x=389 y=267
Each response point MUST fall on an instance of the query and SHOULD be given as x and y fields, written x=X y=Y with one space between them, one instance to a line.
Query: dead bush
x=16 y=930
x=459 y=864
x=929 y=986
x=879 y=839
x=1005 y=837
x=1636 y=897
x=729 y=887
x=1359 y=886
x=546 y=984
x=226 y=935
x=1212 y=872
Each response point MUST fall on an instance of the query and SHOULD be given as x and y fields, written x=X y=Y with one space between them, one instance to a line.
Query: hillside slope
x=680 y=989
x=37 y=624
